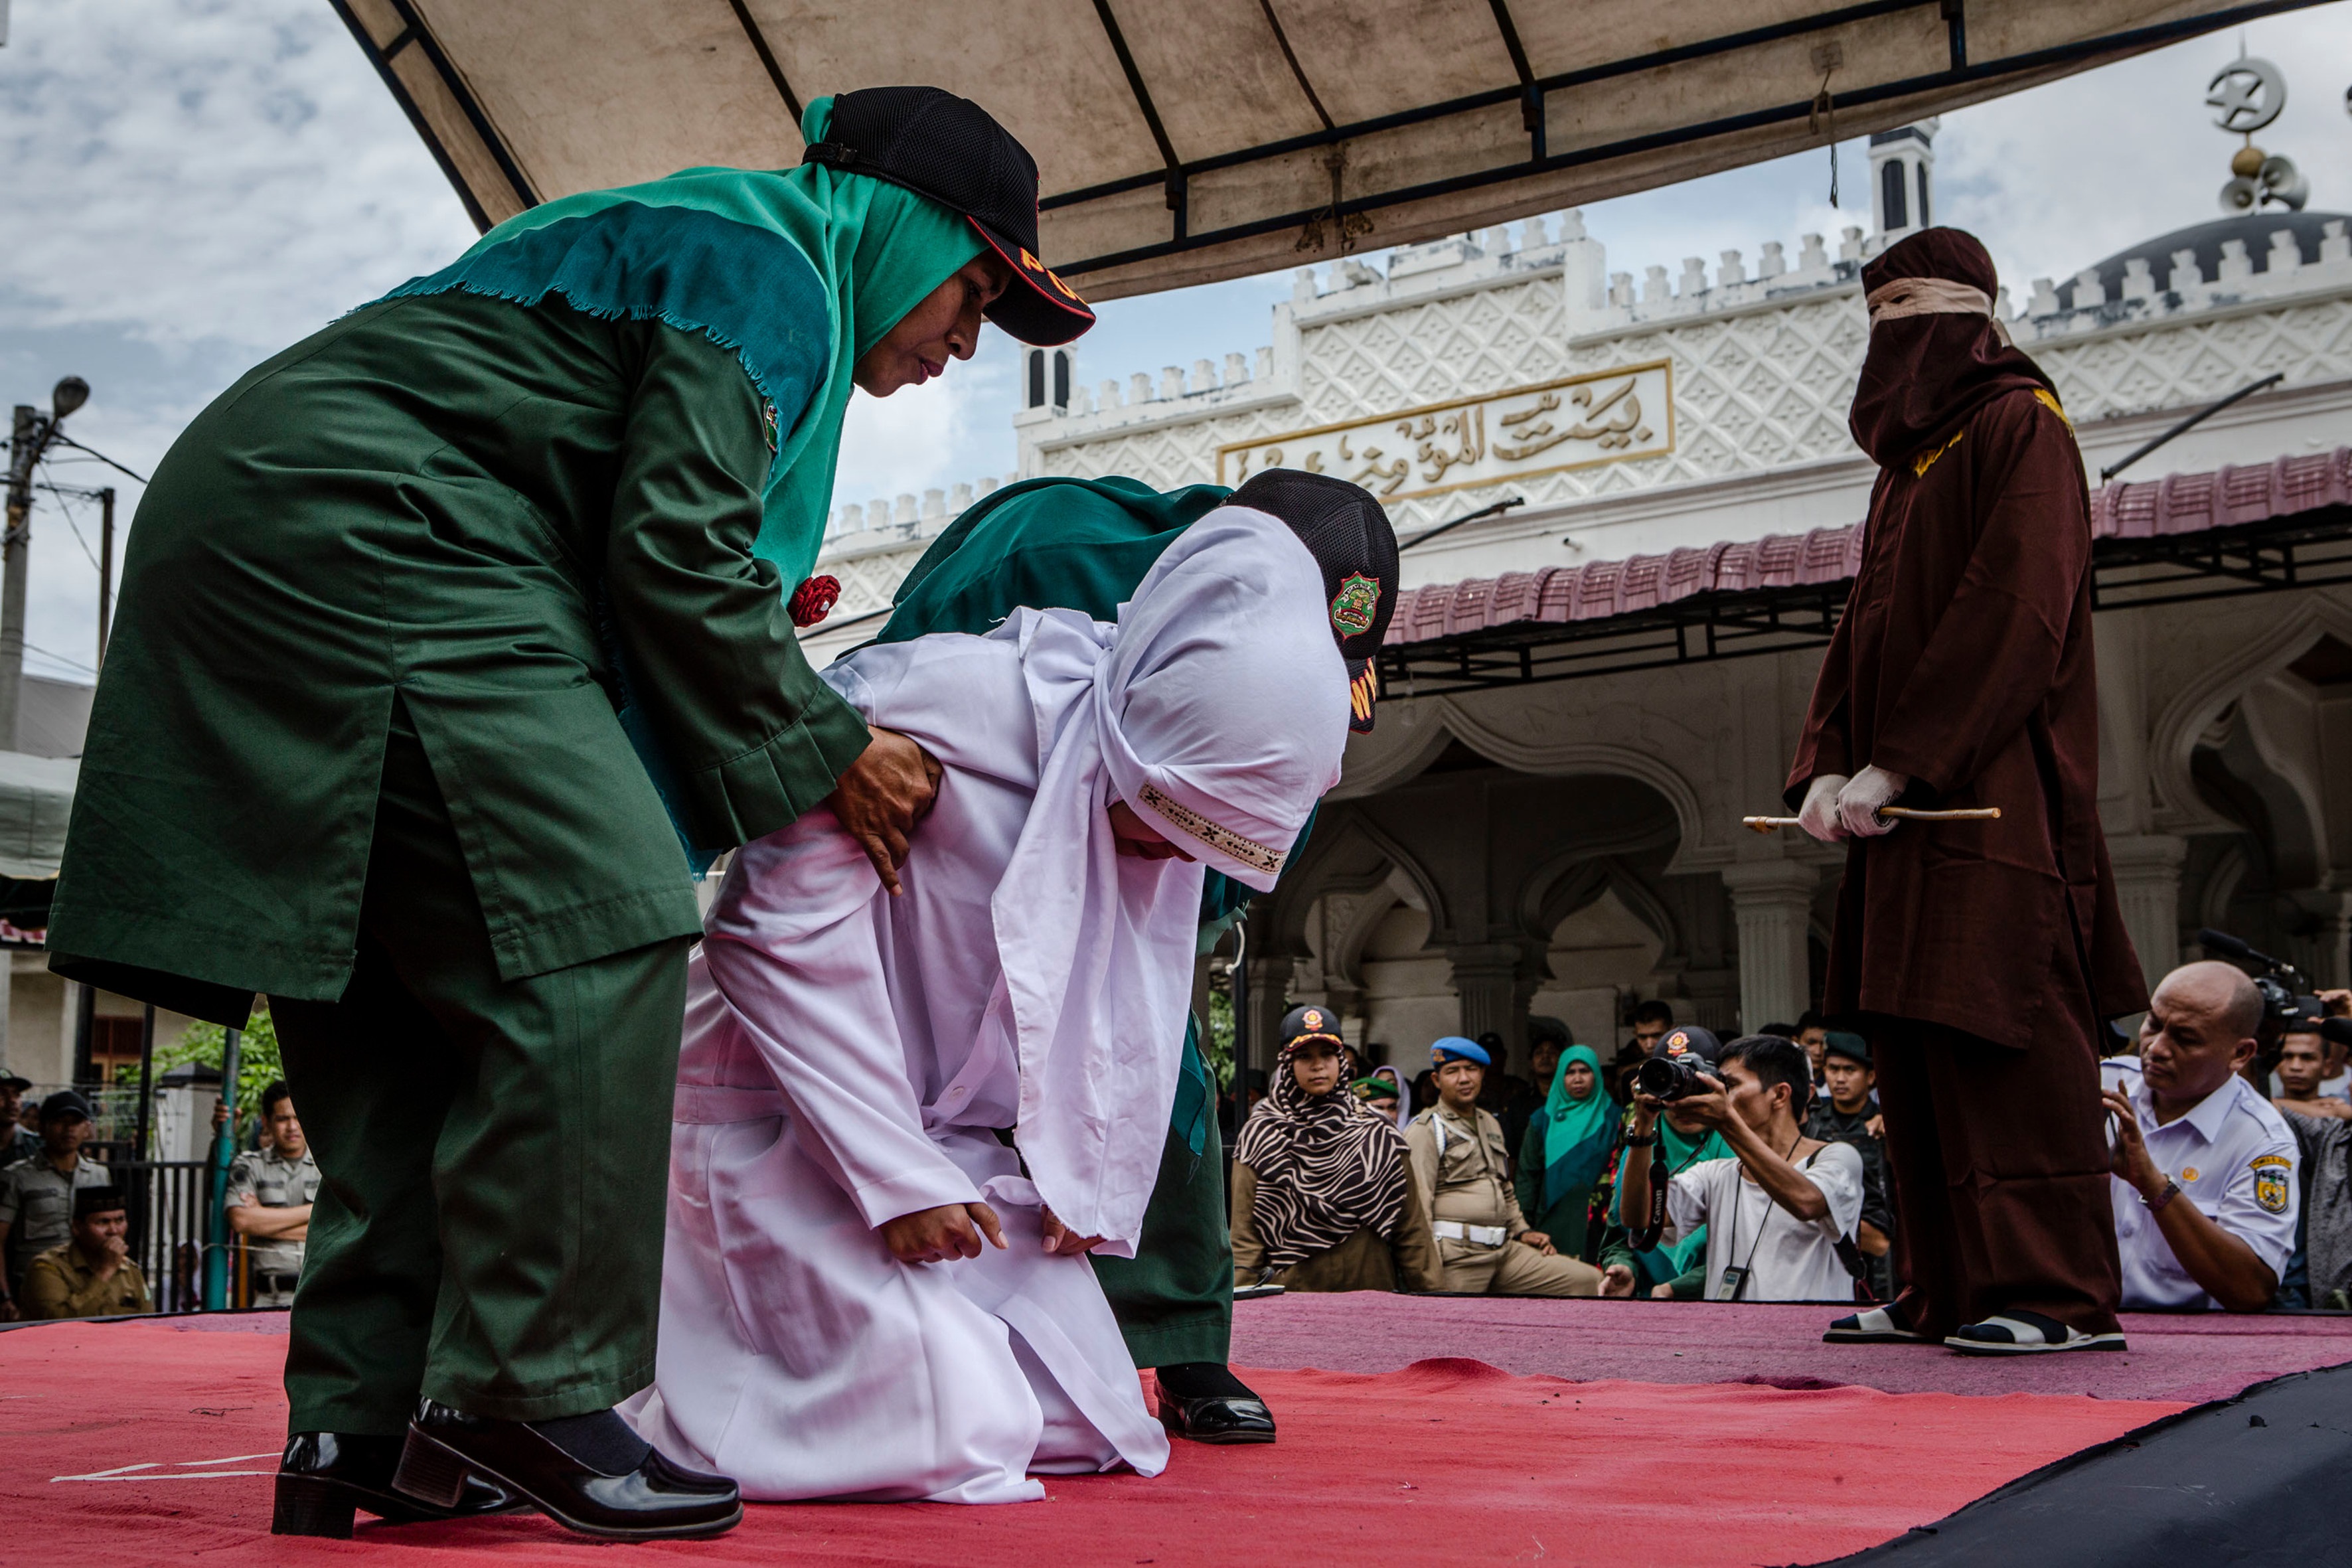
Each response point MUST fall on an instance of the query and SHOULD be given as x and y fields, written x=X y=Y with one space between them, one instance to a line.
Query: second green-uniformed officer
x=424 y=623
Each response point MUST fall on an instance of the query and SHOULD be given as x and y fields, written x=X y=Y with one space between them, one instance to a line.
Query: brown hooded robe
x=1978 y=957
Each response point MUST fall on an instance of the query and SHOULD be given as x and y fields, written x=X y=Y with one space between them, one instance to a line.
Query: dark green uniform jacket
x=494 y=511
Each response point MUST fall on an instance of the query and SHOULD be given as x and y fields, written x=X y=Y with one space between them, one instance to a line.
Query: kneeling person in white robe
x=833 y=1323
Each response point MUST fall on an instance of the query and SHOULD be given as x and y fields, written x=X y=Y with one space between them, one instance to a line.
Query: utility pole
x=28 y=439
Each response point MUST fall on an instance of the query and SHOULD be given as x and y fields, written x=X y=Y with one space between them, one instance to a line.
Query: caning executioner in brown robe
x=1978 y=957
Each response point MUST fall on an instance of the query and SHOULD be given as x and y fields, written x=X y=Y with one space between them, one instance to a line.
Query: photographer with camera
x=1778 y=1210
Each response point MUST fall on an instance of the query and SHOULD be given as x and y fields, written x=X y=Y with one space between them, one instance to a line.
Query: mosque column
x=1772 y=901
x=1491 y=994
x=2148 y=885
x=1269 y=999
x=2334 y=938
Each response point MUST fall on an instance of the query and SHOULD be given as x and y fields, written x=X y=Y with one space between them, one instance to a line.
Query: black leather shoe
x=1217 y=1418
x=326 y=1477
x=655 y=1500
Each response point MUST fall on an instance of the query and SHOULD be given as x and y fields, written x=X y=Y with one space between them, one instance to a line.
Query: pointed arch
x=2193 y=708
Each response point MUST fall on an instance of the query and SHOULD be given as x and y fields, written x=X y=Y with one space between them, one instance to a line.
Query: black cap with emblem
x=1347 y=531
x=1309 y=1023
x=953 y=150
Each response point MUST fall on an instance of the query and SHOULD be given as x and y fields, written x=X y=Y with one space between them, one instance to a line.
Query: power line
x=66 y=508
x=63 y=439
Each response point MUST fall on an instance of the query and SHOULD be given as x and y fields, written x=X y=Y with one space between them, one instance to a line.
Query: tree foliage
x=258 y=1063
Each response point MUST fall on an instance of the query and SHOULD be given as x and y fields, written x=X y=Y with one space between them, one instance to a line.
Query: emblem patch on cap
x=2270 y=1172
x=1353 y=607
x=1677 y=1043
x=1311 y=1019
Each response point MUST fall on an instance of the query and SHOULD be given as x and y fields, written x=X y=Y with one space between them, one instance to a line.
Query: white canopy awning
x=1185 y=141
x=35 y=798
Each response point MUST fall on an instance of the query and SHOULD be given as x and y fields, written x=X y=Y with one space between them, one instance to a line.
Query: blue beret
x=1454 y=1047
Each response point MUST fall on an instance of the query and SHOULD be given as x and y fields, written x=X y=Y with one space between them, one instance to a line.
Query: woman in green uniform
x=451 y=639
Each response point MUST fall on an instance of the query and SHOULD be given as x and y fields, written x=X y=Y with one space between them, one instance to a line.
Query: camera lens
x=1666 y=1078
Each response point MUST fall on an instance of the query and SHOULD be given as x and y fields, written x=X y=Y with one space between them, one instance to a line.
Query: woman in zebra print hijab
x=1327 y=1167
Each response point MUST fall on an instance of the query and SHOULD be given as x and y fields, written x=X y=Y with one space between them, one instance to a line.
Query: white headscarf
x=1216 y=707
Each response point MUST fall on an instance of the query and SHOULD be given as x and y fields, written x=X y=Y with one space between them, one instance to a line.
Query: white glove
x=1863 y=794
x=1819 y=815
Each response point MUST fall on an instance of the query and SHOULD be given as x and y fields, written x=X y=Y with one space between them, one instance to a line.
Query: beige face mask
x=1932 y=297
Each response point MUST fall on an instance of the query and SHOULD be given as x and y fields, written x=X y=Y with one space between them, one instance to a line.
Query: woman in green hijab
x=452 y=640
x=1565 y=1149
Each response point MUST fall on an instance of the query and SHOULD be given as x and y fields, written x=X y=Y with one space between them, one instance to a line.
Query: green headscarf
x=1052 y=543
x=1576 y=1132
x=799 y=272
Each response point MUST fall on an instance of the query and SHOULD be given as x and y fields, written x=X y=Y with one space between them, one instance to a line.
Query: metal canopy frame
x=1532 y=90
x=1152 y=178
x=2304 y=550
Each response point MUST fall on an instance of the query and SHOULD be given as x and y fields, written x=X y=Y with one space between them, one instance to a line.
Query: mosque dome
x=2207 y=239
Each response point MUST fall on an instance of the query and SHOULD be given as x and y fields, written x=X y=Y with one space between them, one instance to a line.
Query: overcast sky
x=193 y=184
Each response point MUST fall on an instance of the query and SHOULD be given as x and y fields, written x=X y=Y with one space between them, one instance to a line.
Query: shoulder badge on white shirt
x=2271 y=1175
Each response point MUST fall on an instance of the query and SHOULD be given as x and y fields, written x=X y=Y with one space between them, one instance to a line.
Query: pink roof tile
x=2176 y=503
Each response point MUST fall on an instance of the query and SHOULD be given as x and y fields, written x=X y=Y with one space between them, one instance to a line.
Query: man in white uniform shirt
x=1775 y=1215
x=2205 y=1188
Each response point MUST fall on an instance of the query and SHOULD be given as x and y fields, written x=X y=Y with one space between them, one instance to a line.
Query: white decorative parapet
x=2185 y=289
x=880 y=523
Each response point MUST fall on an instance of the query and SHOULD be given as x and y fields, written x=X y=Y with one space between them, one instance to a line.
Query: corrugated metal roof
x=2226 y=497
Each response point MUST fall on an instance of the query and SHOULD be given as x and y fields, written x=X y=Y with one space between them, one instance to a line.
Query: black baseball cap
x=1347 y=531
x=15 y=1081
x=64 y=1105
x=951 y=149
x=1690 y=1040
x=1310 y=1023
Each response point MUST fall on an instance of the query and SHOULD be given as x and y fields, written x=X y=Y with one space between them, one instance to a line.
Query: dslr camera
x=2275 y=978
x=1672 y=1078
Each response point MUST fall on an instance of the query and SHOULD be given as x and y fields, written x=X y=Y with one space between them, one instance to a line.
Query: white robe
x=847 y=1055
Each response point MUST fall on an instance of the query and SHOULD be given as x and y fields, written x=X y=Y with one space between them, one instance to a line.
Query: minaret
x=1901 y=162
x=1047 y=377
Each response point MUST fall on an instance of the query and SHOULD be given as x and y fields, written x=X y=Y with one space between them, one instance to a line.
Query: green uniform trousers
x=488 y=1233
x=1174 y=1299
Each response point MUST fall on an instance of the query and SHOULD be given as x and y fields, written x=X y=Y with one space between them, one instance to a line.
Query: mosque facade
x=1587 y=690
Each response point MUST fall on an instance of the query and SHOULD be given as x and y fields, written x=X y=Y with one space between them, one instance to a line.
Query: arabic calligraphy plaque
x=1603 y=416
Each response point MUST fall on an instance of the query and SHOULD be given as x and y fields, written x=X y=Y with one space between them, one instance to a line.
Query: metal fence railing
x=171 y=1212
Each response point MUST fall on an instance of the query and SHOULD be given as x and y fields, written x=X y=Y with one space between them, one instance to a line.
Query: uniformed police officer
x=90 y=1275
x=269 y=1200
x=37 y=1194
x=2205 y=1189
x=1844 y=1112
x=1462 y=1173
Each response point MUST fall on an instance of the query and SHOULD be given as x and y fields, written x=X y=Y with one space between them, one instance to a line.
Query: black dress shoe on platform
x=588 y=1473
x=326 y=1477
x=1205 y=1402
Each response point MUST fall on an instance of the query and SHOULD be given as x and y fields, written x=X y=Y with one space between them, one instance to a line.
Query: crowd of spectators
x=65 y=1223
x=38 y=1194
x=2231 y=1133
x=2230 y=1126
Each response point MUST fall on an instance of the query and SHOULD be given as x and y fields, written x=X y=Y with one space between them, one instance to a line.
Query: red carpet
x=148 y=1443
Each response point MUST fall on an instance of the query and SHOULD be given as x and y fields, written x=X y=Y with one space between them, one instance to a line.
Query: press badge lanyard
x=1735 y=1277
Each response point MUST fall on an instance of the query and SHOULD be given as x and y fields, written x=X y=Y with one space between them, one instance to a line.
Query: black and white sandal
x=1876 y=1326
x=2027 y=1333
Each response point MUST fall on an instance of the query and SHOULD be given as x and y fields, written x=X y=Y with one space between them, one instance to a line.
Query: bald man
x=2205 y=1190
